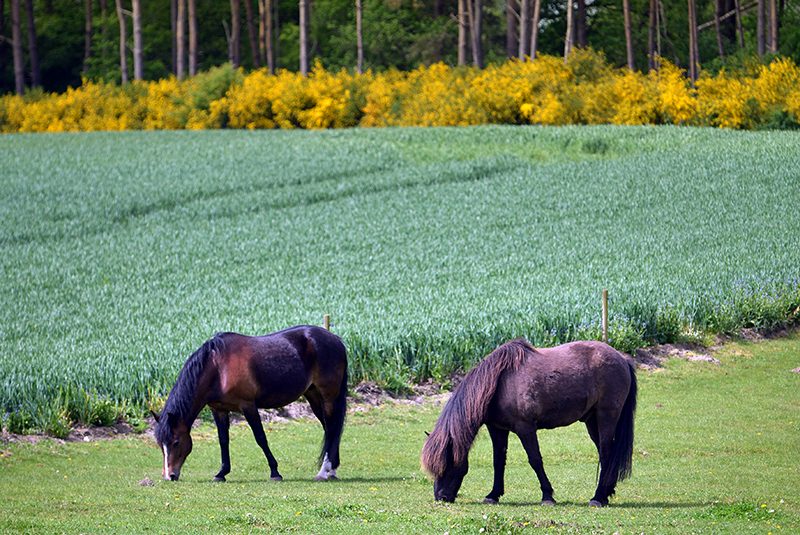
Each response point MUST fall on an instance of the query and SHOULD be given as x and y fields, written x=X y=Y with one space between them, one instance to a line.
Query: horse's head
x=172 y=435
x=446 y=484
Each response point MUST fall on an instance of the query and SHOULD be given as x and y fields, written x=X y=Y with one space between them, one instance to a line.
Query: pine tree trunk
x=537 y=11
x=33 y=49
x=524 y=27
x=123 y=38
x=251 y=32
x=87 y=35
x=739 y=28
x=236 y=33
x=191 y=6
x=359 y=38
x=651 y=34
x=138 y=60
x=16 y=46
x=568 y=37
x=475 y=14
x=718 y=12
x=761 y=40
x=303 y=37
x=693 y=53
x=269 y=40
x=462 y=32
x=180 y=39
x=580 y=25
x=512 y=42
x=773 y=26
x=626 y=9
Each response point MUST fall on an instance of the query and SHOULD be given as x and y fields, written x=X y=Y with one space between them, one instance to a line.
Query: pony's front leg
x=254 y=420
x=531 y=445
x=223 y=421
x=500 y=449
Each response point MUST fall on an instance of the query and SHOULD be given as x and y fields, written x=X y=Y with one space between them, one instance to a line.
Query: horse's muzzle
x=174 y=477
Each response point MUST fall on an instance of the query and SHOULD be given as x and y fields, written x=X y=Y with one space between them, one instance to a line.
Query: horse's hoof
x=548 y=503
x=596 y=503
x=490 y=501
x=219 y=479
x=276 y=478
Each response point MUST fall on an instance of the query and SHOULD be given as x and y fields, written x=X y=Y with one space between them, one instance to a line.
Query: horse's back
x=277 y=368
x=560 y=385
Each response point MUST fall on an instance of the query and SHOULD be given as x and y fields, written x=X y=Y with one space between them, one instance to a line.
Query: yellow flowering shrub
x=676 y=100
x=724 y=101
x=584 y=90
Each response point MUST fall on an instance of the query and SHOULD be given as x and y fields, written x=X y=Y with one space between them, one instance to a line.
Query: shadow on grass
x=339 y=481
x=612 y=505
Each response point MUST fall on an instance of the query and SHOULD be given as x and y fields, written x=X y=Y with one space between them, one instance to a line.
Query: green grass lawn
x=716 y=452
x=120 y=253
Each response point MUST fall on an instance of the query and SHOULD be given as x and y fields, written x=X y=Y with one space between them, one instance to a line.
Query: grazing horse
x=521 y=389
x=233 y=372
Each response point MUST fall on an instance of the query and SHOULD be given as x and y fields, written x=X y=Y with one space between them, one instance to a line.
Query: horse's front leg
x=223 y=421
x=500 y=449
x=254 y=420
x=531 y=445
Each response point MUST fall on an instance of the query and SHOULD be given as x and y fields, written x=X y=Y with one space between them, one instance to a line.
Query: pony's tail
x=622 y=452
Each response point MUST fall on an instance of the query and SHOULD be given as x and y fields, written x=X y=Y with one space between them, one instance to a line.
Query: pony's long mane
x=465 y=412
x=181 y=398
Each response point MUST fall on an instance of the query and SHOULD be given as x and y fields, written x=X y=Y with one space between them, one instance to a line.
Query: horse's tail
x=335 y=425
x=622 y=450
x=466 y=409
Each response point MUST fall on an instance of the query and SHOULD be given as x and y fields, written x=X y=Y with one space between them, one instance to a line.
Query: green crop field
x=121 y=253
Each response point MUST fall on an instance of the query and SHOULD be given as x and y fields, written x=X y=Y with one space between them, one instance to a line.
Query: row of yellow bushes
x=585 y=90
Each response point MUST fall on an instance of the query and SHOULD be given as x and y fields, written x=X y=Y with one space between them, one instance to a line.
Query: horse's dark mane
x=465 y=412
x=181 y=397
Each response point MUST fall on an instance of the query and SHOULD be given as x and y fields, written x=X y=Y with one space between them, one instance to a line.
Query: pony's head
x=446 y=467
x=172 y=435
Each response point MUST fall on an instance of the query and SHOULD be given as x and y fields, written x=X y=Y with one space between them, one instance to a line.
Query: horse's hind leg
x=531 y=445
x=254 y=420
x=317 y=404
x=333 y=399
x=500 y=448
x=223 y=421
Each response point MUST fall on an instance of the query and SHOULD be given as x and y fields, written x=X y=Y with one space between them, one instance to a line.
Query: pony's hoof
x=490 y=501
x=219 y=479
x=276 y=478
x=548 y=503
x=596 y=503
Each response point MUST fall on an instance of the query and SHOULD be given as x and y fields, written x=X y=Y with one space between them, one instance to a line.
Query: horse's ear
x=156 y=417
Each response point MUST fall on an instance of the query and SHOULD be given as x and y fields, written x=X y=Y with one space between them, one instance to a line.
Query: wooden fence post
x=605 y=316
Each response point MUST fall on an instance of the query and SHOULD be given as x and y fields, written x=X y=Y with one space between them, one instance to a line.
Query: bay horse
x=519 y=389
x=234 y=372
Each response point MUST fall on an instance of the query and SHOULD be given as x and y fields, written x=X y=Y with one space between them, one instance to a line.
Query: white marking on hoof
x=325 y=471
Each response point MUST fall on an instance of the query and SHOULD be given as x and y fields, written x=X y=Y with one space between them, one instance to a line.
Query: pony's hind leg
x=254 y=420
x=223 y=421
x=601 y=428
x=531 y=445
x=500 y=449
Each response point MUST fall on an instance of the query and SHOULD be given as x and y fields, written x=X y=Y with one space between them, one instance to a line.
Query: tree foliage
x=397 y=33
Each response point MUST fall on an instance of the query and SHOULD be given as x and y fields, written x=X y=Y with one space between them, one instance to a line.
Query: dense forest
x=53 y=44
